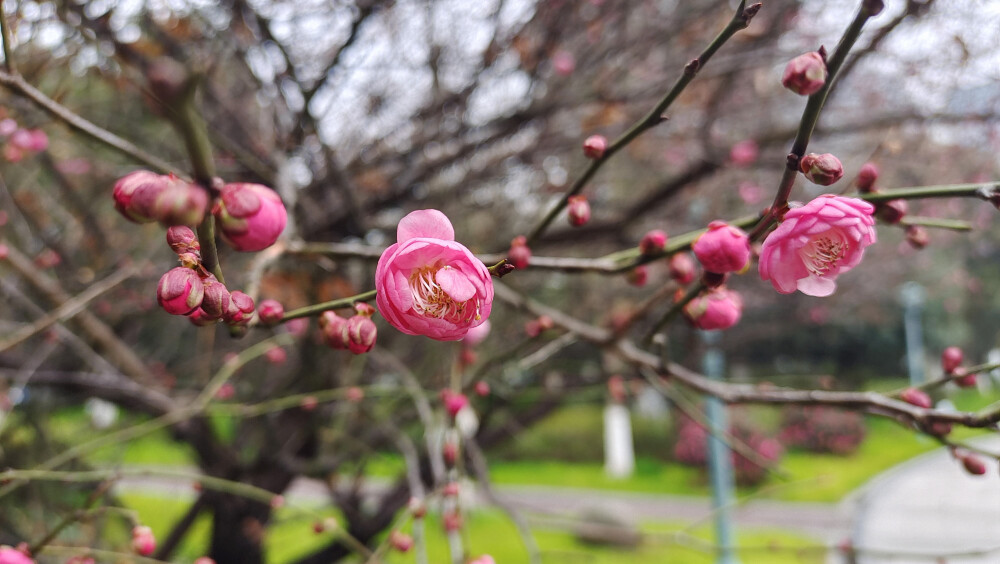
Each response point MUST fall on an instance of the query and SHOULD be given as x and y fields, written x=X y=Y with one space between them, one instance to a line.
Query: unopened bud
x=250 y=217
x=917 y=236
x=182 y=239
x=805 y=74
x=917 y=397
x=449 y=452
x=893 y=211
x=361 y=334
x=143 y=541
x=720 y=308
x=482 y=388
x=178 y=203
x=963 y=379
x=240 y=309
x=744 y=153
x=578 y=209
x=453 y=401
x=400 y=541
x=653 y=242
x=519 y=254
x=270 y=312
x=682 y=268
x=417 y=508
x=276 y=355
x=180 y=291
x=951 y=359
x=333 y=328
x=452 y=521
x=973 y=465
x=823 y=169
x=450 y=489
x=722 y=248
x=355 y=394
x=638 y=276
x=135 y=193
x=217 y=299
x=867 y=177
x=594 y=146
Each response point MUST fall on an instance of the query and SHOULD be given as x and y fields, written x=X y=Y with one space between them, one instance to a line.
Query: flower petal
x=455 y=284
x=816 y=286
x=431 y=224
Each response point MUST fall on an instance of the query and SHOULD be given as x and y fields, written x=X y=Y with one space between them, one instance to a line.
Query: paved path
x=929 y=510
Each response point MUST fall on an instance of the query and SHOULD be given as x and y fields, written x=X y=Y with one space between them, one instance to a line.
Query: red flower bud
x=450 y=489
x=183 y=240
x=135 y=193
x=973 y=465
x=276 y=355
x=715 y=309
x=578 y=209
x=519 y=254
x=270 y=312
x=452 y=521
x=563 y=63
x=594 y=146
x=309 y=403
x=417 y=508
x=176 y=203
x=400 y=541
x=917 y=397
x=251 y=217
x=143 y=541
x=653 y=242
x=240 y=310
x=722 y=248
x=917 y=237
x=482 y=388
x=333 y=329
x=823 y=169
x=355 y=394
x=867 y=177
x=361 y=334
x=744 y=153
x=180 y=291
x=682 y=268
x=805 y=74
x=638 y=276
x=449 y=452
x=453 y=401
x=892 y=211
x=963 y=379
x=951 y=358
x=217 y=299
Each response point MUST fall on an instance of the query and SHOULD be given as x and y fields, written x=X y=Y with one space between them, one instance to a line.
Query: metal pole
x=912 y=295
x=720 y=467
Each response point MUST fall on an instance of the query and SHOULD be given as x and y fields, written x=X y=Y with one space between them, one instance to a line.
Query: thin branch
x=16 y=84
x=8 y=46
x=70 y=308
x=740 y=20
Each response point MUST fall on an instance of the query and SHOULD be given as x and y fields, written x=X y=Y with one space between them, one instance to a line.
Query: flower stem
x=8 y=47
x=740 y=20
x=317 y=309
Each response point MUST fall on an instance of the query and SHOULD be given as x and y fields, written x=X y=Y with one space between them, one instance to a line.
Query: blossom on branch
x=429 y=284
x=251 y=216
x=817 y=242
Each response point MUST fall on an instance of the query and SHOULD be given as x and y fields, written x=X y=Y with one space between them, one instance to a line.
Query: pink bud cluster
x=20 y=142
x=250 y=217
x=192 y=291
x=356 y=334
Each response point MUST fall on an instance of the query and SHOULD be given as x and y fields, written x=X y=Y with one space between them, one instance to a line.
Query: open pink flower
x=817 y=242
x=429 y=284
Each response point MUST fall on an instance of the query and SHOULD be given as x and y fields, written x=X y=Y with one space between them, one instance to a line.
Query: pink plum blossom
x=429 y=284
x=594 y=146
x=817 y=242
x=720 y=308
x=723 y=248
x=270 y=312
x=251 y=216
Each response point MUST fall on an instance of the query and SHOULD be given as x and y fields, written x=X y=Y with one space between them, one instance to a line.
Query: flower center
x=430 y=299
x=822 y=253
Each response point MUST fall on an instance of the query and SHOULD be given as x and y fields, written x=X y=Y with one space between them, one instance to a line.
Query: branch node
x=750 y=12
x=692 y=68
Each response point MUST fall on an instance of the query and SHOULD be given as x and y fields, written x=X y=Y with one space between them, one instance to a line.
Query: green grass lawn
x=574 y=433
x=491 y=532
